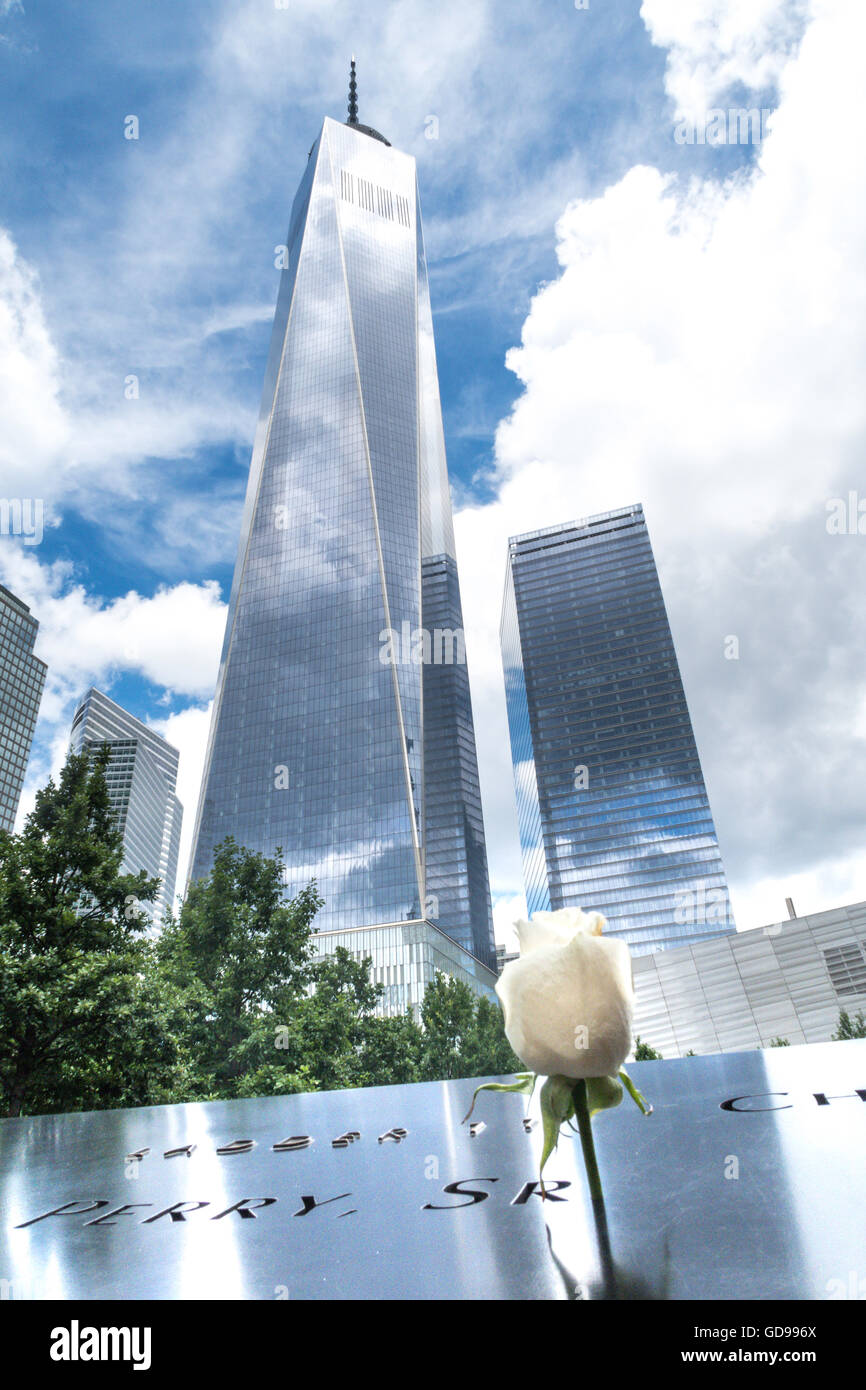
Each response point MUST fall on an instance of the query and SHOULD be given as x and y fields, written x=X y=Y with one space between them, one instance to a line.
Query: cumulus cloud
x=35 y=427
x=174 y=223
x=170 y=639
x=703 y=351
x=714 y=46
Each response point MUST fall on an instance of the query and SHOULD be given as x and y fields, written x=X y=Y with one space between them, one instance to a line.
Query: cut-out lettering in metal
x=458 y=1189
x=343 y=1141
x=245 y=1207
x=65 y=1211
x=310 y=1204
x=398 y=1134
x=547 y=1192
x=295 y=1141
x=176 y=1212
x=126 y=1210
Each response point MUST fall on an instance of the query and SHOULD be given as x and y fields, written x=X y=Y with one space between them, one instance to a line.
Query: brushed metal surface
x=740 y=1185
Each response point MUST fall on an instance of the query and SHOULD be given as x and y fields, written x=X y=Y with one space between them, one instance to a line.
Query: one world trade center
x=342 y=724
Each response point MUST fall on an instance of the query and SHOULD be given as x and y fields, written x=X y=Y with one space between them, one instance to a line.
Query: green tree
x=447 y=1015
x=231 y=999
x=644 y=1053
x=333 y=1023
x=240 y=957
x=392 y=1051
x=463 y=1035
x=82 y=1020
x=850 y=1027
x=487 y=1051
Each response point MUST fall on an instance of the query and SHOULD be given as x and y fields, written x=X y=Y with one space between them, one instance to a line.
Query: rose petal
x=569 y=1005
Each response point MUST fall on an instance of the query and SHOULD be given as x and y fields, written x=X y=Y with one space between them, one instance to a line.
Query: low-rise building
x=788 y=980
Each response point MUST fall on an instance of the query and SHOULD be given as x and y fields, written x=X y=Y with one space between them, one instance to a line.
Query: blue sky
x=597 y=287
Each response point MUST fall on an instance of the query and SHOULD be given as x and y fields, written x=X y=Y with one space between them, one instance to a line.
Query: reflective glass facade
x=141 y=777
x=612 y=807
x=353 y=753
x=22 y=677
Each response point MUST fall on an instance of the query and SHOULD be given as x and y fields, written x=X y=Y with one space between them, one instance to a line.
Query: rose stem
x=584 y=1124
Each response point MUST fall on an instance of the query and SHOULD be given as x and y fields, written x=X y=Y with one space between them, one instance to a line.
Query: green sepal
x=642 y=1104
x=602 y=1093
x=525 y=1084
x=557 y=1106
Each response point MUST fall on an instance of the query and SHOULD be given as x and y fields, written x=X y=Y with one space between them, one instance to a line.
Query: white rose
x=569 y=999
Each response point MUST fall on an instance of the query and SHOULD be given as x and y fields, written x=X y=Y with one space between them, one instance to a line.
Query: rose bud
x=568 y=1000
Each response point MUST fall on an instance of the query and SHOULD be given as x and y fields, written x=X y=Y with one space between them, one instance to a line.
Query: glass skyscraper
x=612 y=808
x=141 y=777
x=342 y=725
x=22 y=676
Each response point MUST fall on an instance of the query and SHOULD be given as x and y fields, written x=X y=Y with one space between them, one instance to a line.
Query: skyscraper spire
x=353 y=95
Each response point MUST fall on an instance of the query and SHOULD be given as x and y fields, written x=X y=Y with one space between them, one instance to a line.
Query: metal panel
x=712 y=1197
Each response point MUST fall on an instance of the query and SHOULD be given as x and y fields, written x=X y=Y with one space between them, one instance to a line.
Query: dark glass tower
x=22 y=676
x=342 y=725
x=612 y=807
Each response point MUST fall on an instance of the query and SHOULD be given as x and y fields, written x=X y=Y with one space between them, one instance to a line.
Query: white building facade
x=788 y=980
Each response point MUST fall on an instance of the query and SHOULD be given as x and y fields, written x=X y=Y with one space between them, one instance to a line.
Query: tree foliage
x=850 y=1027
x=232 y=998
x=462 y=1034
x=238 y=958
x=81 y=1020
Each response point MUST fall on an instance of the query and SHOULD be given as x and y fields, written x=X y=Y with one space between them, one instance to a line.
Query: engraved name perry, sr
x=246 y=1208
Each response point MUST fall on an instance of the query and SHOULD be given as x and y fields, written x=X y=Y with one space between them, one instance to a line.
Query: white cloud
x=703 y=352
x=35 y=428
x=171 y=639
x=506 y=911
x=716 y=45
x=133 y=295
x=187 y=731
